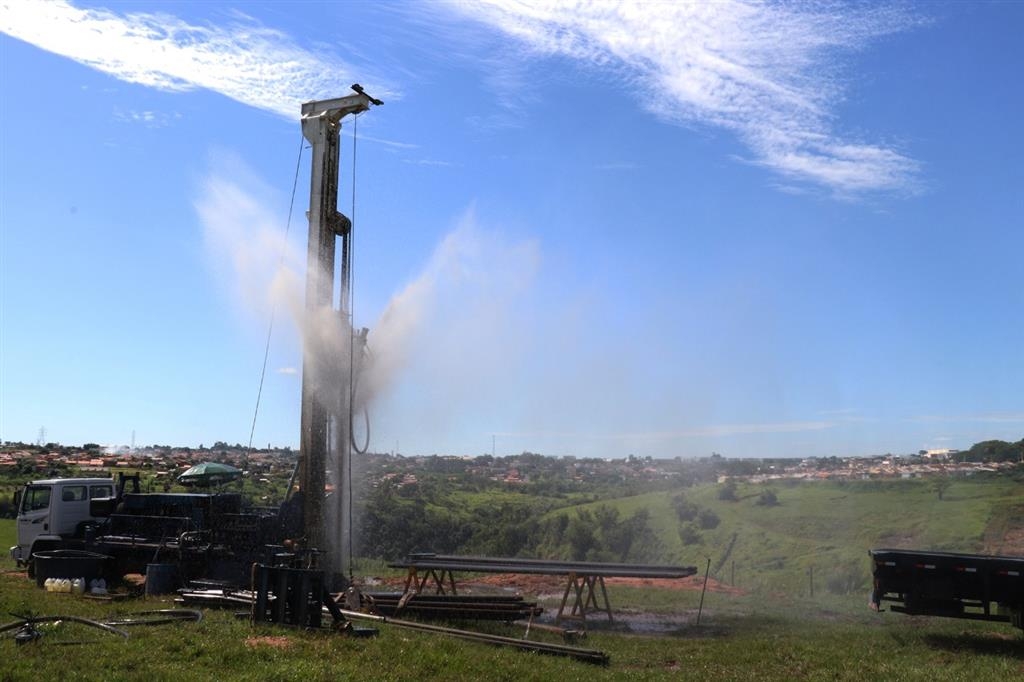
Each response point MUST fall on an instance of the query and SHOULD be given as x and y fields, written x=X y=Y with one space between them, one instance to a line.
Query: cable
x=273 y=307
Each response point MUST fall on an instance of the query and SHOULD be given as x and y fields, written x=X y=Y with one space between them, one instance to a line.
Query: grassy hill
x=826 y=528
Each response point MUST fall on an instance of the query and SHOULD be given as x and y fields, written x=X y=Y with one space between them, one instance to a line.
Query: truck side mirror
x=17 y=499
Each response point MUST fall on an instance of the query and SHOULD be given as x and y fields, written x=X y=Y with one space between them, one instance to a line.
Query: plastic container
x=69 y=563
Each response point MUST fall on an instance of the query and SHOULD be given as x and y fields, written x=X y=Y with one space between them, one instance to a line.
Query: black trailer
x=972 y=586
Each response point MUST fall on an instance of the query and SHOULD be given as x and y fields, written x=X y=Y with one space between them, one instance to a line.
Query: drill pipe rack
x=583 y=578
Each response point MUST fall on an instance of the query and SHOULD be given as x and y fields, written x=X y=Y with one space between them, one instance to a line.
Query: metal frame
x=585 y=598
x=584 y=580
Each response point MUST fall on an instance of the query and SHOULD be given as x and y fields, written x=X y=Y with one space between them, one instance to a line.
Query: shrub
x=728 y=491
x=689 y=533
x=685 y=510
x=708 y=519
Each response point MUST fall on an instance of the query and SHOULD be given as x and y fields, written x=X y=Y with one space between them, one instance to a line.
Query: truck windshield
x=36 y=497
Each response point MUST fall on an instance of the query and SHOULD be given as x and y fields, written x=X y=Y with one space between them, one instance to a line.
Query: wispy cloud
x=994 y=418
x=287 y=370
x=768 y=72
x=387 y=143
x=150 y=119
x=428 y=162
x=714 y=430
x=242 y=60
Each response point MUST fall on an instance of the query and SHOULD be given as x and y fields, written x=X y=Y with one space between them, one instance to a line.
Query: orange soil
x=537 y=584
x=278 y=642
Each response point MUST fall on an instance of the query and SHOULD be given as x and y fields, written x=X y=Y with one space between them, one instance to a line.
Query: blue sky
x=652 y=229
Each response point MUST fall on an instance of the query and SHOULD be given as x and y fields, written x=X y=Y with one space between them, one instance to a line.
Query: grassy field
x=775 y=630
x=739 y=638
x=826 y=528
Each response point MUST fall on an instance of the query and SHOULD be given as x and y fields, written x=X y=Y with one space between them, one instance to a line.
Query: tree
x=580 y=535
x=768 y=498
x=940 y=485
x=728 y=491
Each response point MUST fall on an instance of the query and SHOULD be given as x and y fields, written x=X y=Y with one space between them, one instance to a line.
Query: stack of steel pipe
x=463 y=607
x=481 y=564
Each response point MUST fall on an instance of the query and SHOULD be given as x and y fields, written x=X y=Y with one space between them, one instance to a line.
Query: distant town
x=54 y=459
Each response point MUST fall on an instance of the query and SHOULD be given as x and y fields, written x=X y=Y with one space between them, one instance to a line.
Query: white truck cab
x=54 y=509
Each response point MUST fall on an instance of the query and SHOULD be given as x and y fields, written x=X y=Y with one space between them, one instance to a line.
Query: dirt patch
x=548 y=584
x=275 y=642
x=1005 y=532
x=897 y=541
x=1012 y=543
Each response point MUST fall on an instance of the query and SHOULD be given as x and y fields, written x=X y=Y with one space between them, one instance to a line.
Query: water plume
x=456 y=328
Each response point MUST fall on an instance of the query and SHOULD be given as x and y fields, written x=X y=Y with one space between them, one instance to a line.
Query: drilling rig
x=332 y=349
x=215 y=535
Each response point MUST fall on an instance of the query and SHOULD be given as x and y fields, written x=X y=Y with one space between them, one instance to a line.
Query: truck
x=54 y=511
x=952 y=585
x=213 y=535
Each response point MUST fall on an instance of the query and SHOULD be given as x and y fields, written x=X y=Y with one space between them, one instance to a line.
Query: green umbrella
x=209 y=474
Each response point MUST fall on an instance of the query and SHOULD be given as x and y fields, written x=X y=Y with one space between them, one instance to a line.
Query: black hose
x=53 y=619
x=157 y=617
x=352 y=432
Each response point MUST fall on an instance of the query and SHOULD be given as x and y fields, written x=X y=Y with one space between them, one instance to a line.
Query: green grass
x=739 y=639
x=824 y=527
x=8 y=537
x=775 y=631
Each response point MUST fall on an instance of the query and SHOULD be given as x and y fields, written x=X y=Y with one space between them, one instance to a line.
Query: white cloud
x=767 y=72
x=243 y=60
x=287 y=370
x=150 y=119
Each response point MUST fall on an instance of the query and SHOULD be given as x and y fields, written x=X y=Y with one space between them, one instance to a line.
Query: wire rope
x=273 y=306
